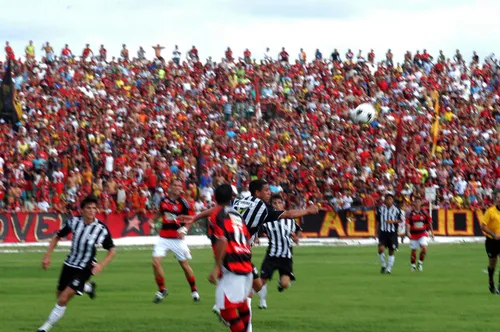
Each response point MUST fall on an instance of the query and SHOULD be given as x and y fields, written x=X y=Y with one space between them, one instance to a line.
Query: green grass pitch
x=337 y=289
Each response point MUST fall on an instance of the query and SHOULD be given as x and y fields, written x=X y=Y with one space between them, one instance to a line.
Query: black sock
x=490 y=274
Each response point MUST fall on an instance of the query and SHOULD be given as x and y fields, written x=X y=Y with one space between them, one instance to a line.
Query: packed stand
x=122 y=128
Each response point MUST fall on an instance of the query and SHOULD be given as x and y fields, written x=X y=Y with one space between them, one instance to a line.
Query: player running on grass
x=80 y=264
x=255 y=210
x=173 y=210
x=233 y=267
x=281 y=234
x=418 y=223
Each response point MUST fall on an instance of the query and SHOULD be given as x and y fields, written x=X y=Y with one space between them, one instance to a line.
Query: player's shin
x=192 y=283
x=263 y=292
x=390 y=262
x=55 y=316
x=421 y=258
x=245 y=315
x=413 y=257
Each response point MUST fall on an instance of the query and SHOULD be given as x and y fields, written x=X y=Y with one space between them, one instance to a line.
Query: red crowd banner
x=35 y=227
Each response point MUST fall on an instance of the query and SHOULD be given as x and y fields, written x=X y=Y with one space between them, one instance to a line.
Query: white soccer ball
x=364 y=113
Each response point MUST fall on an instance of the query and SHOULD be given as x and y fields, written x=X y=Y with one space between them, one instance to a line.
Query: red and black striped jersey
x=419 y=222
x=226 y=223
x=170 y=209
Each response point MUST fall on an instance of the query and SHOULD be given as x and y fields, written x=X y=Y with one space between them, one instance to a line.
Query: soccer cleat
x=492 y=289
x=382 y=270
x=160 y=295
x=413 y=268
x=420 y=267
x=263 y=304
x=388 y=271
x=195 y=296
x=216 y=311
x=92 y=293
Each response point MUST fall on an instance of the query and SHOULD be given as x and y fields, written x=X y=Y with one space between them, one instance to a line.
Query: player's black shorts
x=492 y=247
x=388 y=240
x=271 y=264
x=73 y=278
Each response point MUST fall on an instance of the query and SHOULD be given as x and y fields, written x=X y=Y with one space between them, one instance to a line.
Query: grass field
x=338 y=289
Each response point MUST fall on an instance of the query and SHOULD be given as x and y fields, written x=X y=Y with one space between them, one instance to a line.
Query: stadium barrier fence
x=342 y=227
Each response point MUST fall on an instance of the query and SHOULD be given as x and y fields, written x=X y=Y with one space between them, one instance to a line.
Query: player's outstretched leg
x=59 y=309
x=160 y=280
x=423 y=252
x=413 y=259
x=188 y=272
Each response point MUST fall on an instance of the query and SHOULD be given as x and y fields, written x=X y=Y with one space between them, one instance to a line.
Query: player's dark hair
x=275 y=197
x=88 y=200
x=256 y=185
x=223 y=194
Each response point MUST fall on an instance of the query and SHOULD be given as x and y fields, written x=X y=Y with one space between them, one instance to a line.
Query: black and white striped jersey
x=279 y=232
x=385 y=213
x=255 y=212
x=86 y=237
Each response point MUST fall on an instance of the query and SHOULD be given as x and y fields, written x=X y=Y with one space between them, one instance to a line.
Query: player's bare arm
x=199 y=216
x=220 y=253
x=485 y=229
x=292 y=214
x=48 y=253
x=98 y=267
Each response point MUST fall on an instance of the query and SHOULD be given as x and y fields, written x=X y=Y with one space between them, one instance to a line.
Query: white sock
x=263 y=293
x=420 y=263
x=249 y=301
x=382 y=259
x=87 y=288
x=390 y=262
x=56 y=314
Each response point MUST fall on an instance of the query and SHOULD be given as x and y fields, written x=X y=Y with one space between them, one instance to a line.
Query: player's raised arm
x=199 y=216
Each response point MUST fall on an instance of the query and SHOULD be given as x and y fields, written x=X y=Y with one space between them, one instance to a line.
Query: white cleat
x=195 y=296
x=420 y=267
x=263 y=304
x=413 y=268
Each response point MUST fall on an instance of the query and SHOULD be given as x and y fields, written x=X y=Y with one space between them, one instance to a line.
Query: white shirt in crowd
x=109 y=163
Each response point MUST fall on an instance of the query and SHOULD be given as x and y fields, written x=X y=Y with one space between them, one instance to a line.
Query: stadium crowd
x=123 y=127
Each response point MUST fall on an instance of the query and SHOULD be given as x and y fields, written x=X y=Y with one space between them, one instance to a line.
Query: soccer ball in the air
x=364 y=113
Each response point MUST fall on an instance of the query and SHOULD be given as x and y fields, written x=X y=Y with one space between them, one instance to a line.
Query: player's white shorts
x=232 y=289
x=177 y=246
x=422 y=242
